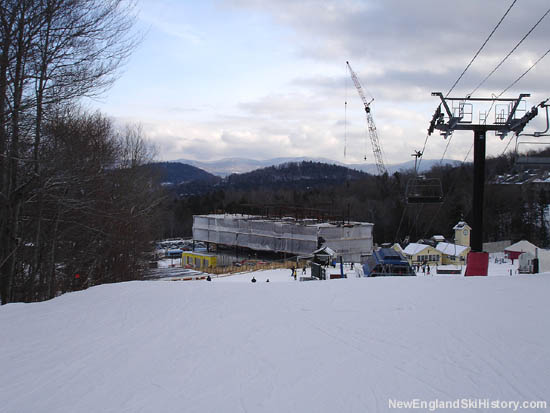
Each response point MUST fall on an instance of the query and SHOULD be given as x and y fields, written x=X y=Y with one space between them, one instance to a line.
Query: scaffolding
x=351 y=240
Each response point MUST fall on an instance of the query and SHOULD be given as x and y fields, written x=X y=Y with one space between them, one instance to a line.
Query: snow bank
x=341 y=345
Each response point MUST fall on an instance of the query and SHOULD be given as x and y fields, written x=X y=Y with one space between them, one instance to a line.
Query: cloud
x=284 y=96
x=163 y=19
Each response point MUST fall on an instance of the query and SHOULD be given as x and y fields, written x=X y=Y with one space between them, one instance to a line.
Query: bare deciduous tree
x=52 y=53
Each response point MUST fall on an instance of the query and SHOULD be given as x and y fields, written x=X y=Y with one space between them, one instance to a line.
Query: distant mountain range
x=227 y=166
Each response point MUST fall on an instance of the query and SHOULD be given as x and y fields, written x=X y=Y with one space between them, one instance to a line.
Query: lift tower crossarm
x=373 y=133
x=455 y=122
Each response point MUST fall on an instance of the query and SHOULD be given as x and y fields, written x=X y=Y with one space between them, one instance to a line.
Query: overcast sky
x=263 y=79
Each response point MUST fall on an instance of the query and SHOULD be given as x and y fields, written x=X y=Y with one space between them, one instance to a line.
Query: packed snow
x=349 y=345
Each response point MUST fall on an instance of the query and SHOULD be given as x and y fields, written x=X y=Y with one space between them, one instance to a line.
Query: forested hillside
x=176 y=173
x=512 y=211
x=300 y=175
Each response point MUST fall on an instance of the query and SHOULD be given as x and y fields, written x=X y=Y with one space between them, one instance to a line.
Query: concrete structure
x=422 y=254
x=351 y=240
x=452 y=253
x=462 y=233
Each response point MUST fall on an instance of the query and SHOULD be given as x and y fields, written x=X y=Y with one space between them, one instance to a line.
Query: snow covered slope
x=334 y=346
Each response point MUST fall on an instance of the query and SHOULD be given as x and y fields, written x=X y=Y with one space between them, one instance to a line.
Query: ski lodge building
x=437 y=251
x=418 y=254
x=353 y=241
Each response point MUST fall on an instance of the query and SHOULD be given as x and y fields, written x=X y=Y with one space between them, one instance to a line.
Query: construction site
x=353 y=241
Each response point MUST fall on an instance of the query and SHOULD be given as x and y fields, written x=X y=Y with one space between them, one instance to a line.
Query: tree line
x=513 y=212
x=75 y=208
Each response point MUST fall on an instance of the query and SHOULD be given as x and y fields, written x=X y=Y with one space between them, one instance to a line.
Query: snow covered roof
x=397 y=246
x=450 y=249
x=414 y=248
x=439 y=238
x=522 y=246
x=326 y=250
x=461 y=225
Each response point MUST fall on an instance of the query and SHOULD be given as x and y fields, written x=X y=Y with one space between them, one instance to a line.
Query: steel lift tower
x=460 y=117
x=373 y=134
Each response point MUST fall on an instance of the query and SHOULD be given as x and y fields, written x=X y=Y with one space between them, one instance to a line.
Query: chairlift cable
x=516 y=81
x=445 y=151
x=483 y=81
x=524 y=73
x=423 y=149
x=400 y=222
x=467 y=154
x=542 y=104
x=414 y=224
x=453 y=183
x=501 y=93
x=468 y=66
x=513 y=84
x=446 y=197
x=452 y=186
x=509 y=53
x=481 y=48
x=450 y=138
x=507 y=145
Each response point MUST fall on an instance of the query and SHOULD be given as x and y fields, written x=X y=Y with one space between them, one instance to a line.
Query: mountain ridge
x=227 y=166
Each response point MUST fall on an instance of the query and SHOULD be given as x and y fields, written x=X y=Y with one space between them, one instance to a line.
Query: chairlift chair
x=528 y=159
x=422 y=190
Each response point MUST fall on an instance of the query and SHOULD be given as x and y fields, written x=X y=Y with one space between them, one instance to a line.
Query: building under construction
x=351 y=240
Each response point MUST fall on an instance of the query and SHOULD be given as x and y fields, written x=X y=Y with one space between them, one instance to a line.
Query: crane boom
x=373 y=133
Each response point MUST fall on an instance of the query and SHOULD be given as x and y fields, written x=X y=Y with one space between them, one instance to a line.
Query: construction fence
x=250 y=266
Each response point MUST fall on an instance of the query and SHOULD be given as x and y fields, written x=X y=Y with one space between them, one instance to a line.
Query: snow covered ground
x=230 y=345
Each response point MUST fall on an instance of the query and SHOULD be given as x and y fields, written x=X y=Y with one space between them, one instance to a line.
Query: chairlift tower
x=460 y=117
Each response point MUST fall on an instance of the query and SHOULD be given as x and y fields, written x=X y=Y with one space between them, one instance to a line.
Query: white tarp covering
x=289 y=235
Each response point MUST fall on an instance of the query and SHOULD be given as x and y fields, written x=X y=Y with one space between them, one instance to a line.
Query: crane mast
x=373 y=134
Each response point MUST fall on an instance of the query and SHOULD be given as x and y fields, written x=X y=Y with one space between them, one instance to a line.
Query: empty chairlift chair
x=422 y=190
x=531 y=157
x=532 y=160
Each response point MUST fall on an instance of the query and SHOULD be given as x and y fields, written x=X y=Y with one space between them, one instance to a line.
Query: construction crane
x=373 y=134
